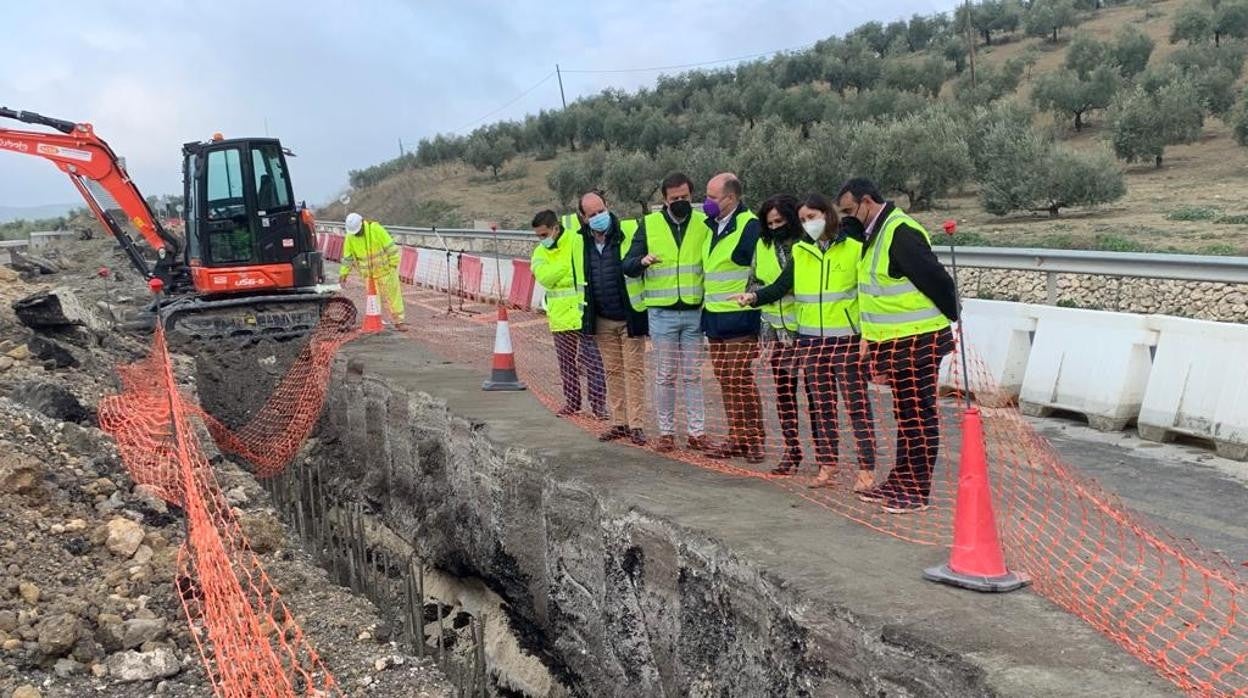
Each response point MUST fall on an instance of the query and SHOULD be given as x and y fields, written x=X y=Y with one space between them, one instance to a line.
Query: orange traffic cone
x=503 y=375
x=372 y=310
x=976 y=561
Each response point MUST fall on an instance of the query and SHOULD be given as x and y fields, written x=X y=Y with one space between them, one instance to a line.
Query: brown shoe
x=825 y=478
x=666 y=444
x=402 y=327
x=864 y=481
x=615 y=432
x=697 y=443
x=726 y=450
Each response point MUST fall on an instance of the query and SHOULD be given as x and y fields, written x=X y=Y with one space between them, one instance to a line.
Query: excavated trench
x=528 y=584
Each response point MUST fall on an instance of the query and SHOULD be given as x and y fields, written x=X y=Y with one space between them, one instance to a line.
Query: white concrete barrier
x=999 y=337
x=40 y=239
x=432 y=270
x=1092 y=362
x=1199 y=384
x=495 y=277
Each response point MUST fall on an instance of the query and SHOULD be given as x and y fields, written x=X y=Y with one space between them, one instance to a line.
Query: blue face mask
x=600 y=222
x=548 y=242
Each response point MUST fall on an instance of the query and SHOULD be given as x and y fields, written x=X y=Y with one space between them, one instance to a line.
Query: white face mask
x=814 y=228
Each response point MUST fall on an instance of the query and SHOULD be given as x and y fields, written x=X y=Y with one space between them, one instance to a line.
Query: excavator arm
x=90 y=163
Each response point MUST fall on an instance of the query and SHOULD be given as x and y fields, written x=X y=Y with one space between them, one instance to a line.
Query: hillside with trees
x=1083 y=124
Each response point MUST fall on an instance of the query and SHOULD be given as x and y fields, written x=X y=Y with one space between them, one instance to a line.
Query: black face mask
x=680 y=209
x=852 y=227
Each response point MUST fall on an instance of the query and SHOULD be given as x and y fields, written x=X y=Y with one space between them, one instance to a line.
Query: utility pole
x=561 y=97
x=970 y=42
x=401 y=153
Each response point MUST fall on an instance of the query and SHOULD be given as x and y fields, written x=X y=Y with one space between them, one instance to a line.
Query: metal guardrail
x=1179 y=267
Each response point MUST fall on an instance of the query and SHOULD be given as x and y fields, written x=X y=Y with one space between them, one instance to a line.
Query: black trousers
x=787 y=362
x=912 y=366
x=578 y=353
x=834 y=373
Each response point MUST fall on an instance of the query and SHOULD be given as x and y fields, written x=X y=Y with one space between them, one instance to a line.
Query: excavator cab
x=248 y=267
x=243 y=229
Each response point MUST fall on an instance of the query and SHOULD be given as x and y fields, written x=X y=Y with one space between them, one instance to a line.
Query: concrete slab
x=1024 y=644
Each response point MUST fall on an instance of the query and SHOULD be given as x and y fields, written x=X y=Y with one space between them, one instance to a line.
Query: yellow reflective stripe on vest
x=899 y=318
x=827 y=297
x=723 y=277
x=781 y=314
x=677 y=276
x=740 y=275
x=825 y=286
x=563 y=293
x=814 y=331
x=893 y=308
x=877 y=290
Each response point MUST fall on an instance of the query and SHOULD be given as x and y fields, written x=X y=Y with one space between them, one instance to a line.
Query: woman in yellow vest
x=822 y=277
x=778 y=330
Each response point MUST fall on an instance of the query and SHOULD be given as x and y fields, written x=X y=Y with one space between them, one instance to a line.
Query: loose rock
x=58 y=634
x=143 y=666
x=29 y=592
x=18 y=473
x=124 y=537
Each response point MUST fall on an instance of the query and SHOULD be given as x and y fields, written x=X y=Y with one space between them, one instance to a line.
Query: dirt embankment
x=88 y=596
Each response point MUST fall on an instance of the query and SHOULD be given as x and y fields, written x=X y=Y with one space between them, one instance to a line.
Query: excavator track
x=241 y=322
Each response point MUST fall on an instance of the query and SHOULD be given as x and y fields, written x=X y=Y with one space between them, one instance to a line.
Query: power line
x=651 y=69
x=518 y=97
x=681 y=66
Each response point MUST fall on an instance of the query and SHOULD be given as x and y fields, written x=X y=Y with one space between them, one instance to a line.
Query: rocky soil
x=88 y=604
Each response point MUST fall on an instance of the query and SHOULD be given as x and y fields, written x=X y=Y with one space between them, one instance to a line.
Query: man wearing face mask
x=557 y=264
x=822 y=275
x=907 y=301
x=666 y=254
x=615 y=317
x=731 y=330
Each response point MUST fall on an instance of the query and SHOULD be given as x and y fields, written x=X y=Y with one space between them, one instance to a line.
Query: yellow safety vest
x=891 y=307
x=783 y=313
x=560 y=271
x=635 y=287
x=723 y=278
x=372 y=251
x=677 y=276
x=825 y=287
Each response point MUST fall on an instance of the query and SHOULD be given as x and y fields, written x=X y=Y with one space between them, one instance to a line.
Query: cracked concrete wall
x=613 y=600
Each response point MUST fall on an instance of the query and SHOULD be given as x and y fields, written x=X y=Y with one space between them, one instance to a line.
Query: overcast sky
x=341 y=83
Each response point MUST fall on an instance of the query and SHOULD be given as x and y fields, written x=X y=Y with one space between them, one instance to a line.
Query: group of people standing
x=830 y=292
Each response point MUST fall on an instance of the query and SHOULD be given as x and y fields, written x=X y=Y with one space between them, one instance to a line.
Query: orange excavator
x=247 y=266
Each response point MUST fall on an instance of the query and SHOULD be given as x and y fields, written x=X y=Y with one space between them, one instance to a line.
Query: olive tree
x=631 y=177
x=1064 y=93
x=489 y=153
x=1131 y=50
x=1143 y=123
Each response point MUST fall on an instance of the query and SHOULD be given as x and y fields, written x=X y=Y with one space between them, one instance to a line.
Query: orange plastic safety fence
x=249 y=641
x=877 y=421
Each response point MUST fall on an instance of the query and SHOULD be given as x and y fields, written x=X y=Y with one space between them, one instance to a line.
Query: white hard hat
x=354 y=222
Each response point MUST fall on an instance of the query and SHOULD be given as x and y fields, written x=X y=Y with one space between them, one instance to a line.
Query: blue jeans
x=678 y=347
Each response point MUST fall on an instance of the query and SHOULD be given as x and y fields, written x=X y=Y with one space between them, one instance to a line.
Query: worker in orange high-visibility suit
x=369 y=248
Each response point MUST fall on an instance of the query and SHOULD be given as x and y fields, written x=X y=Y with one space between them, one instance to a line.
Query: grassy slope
x=1206 y=175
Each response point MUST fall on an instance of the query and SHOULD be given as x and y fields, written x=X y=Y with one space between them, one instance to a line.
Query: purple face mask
x=711 y=208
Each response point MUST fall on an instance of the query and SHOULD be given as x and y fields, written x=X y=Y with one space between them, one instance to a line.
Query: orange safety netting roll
x=879 y=445
x=248 y=640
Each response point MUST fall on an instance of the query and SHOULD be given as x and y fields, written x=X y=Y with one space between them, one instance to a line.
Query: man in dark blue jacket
x=619 y=328
x=732 y=331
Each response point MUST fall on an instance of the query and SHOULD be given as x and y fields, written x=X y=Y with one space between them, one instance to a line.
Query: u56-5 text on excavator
x=247 y=266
